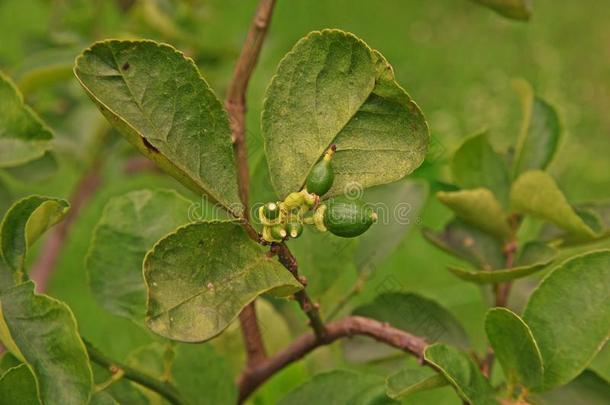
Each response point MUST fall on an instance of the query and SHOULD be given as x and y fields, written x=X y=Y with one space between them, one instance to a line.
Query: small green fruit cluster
x=340 y=216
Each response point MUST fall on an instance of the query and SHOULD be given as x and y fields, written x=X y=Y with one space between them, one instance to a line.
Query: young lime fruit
x=322 y=175
x=347 y=217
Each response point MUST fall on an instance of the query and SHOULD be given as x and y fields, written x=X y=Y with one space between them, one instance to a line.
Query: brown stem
x=503 y=290
x=47 y=259
x=236 y=107
x=253 y=377
x=236 y=96
x=310 y=308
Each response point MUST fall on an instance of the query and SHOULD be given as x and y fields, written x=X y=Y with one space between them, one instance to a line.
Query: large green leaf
x=36 y=170
x=23 y=224
x=130 y=225
x=468 y=243
x=18 y=387
x=569 y=315
x=515 y=347
x=340 y=387
x=540 y=133
x=536 y=193
x=410 y=380
x=462 y=373
x=23 y=136
x=534 y=257
x=156 y=97
x=332 y=88
x=201 y=276
x=515 y=9
x=588 y=388
x=42 y=332
x=103 y=398
x=478 y=207
x=476 y=164
x=417 y=315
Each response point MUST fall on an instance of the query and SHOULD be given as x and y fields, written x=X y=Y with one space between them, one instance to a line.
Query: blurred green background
x=456 y=59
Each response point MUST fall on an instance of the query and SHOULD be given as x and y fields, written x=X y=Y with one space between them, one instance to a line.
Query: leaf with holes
x=42 y=332
x=23 y=135
x=130 y=225
x=23 y=224
x=159 y=101
x=569 y=315
x=200 y=277
x=534 y=257
x=332 y=88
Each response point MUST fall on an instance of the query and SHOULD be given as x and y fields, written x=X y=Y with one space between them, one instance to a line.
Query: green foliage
x=24 y=223
x=515 y=9
x=331 y=88
x=514 y=347
x=462 y=373
x=533 y=257
x=411 y=380
x=340 y=387
x=18 y=386
x=42 y=332
x=196 y=286
x=158 y=100
x=130 y=225
x=578 y=291
x=23 y=136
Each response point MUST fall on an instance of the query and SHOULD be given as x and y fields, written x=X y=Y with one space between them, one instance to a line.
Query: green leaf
x=540 y=133
x=23 y=136
x=534 y=257
x=515 y=347
x=569 y=315
x=157 y=99
x=130 y=225
x=468 y=243
x=340 y=387
x=462 y=373
x=192 y=369
x=595 y=214
x=398 y=206
x=35 y=170
x=332 y=88
x=417 y=315
x=42 y=332
x=103 y=398
x=515 y=9
x=200 y=277
x=478 y=207
x=588 y=388
x=18 y=387
x=537 y=194
x=410 y=380
x=476 y=164
x=24 y=223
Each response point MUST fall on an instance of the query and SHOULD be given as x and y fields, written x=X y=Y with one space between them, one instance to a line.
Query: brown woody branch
x=236 y=107
x=255 y=376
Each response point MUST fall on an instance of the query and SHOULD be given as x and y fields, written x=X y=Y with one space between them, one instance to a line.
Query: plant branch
x=236 y=106
x=252 y=378
x=310 y=308
x=164 y=389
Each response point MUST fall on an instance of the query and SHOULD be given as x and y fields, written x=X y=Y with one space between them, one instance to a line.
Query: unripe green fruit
x=294 y=228
x=348 y=218
x=271 y=211
x=278 y=232
x=321 y=176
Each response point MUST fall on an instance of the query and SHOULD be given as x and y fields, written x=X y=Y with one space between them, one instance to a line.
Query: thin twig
x=310 y=308
x=236 y=107
x=164 y=389
x=253 y=377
